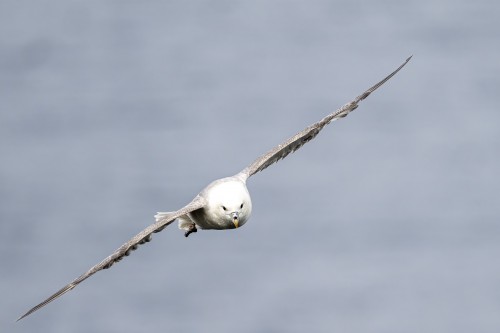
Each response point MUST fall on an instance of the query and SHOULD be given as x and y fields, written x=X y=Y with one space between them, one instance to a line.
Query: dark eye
x=224 y=207
x=241 y=206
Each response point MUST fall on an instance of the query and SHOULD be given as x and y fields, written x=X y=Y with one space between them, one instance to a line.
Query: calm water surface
x=387 y=222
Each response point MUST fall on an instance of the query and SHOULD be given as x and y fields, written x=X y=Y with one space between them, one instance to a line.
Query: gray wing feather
x=143 y=237
x=298 y=140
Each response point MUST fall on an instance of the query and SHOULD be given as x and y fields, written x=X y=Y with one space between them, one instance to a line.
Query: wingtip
x=28 y=313
x=23 y=316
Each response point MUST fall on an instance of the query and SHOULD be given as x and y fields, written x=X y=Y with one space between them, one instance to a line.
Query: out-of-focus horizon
x=386 y=222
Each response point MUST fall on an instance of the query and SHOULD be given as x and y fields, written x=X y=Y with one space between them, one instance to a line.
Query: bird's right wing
x=298 y=140
x=143 y=237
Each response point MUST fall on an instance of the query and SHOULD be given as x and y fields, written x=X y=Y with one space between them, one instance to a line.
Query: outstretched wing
x=143 y=237
x=298 y=140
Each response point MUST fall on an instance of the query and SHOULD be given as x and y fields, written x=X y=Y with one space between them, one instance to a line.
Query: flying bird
x=223 y=204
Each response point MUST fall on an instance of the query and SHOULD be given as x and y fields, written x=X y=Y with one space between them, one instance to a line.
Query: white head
x=229 y=203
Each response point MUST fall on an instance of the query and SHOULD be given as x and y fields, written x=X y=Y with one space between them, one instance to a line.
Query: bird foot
x=192 y=228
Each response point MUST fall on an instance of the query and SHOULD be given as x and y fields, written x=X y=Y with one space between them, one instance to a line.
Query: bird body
x=228 y=206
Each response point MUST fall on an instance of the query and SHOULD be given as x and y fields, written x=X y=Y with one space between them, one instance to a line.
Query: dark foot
x=192 y=228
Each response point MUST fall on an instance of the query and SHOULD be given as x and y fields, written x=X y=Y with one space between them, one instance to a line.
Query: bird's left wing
x=298 y=140
x=143 y=237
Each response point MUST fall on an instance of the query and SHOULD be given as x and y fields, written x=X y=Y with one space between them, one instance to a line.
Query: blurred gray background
x=387 y=222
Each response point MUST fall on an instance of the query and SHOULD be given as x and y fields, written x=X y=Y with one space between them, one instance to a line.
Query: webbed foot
x=192 y=228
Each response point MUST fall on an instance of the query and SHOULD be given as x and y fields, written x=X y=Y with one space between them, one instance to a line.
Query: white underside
x=185 y=223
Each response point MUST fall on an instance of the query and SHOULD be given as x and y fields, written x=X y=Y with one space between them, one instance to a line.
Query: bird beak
x=235 y=219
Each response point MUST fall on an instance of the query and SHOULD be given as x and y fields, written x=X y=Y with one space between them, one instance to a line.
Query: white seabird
x=224 y=203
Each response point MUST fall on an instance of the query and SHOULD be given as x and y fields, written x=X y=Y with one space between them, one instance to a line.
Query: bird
x=225 y=203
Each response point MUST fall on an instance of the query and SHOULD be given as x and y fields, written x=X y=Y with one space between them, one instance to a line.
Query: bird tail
x=162 y=215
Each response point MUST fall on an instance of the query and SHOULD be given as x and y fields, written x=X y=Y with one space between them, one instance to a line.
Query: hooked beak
x=235 y=216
